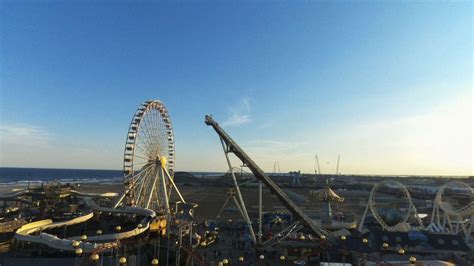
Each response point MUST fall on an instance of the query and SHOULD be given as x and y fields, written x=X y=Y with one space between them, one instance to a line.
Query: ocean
x=24 y=175
x=12 y=175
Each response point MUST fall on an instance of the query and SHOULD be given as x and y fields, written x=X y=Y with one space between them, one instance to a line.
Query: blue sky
x=386 y=85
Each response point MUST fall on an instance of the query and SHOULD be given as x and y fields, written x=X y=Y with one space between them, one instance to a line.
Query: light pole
x=95 y=258
x=282 y=258
x=322 y=246
x=343 y=238
x=401 y=251
x=123 y=261
x=78 y=252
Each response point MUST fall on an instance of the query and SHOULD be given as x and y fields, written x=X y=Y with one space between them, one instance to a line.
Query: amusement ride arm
x=260 y=175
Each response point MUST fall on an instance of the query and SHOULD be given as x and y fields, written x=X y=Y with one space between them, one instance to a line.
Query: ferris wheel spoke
x=141 y=188
x=154 y=135
x=139 y=143
x=143 y=133
x=144 y=158
x=162 y=127
x=142 y=184
x=143 y=140
x=139 y=170
x=143 y=170
x=159 y=126
x=145 y=146
x=149 y=130
x=144 y=149
x=143 y=163
x=133 y=178
x=142 y=145
x=148 y=124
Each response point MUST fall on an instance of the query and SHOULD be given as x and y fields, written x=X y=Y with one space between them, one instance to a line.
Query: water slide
x=95 y=195
x=33 y=232
x=14 y=194
x=21 y=192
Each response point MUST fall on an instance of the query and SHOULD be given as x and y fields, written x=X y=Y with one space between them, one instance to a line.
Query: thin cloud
x=24 y=145
x=269 y=145
x=438 y=141
x=239 y=114
x=23 y=134
x=291 y=155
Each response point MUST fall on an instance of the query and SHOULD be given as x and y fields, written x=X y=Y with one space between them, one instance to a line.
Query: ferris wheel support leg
x=152 y=190
x=140 y=183
x=122 y=197
x=167 y=204
x=119 y=201
x=174 y=185
x=237 y=189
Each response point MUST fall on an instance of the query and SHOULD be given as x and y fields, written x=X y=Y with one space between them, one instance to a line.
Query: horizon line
x=188 y=171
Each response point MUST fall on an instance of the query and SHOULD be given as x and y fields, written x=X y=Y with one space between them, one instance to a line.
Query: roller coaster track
x=446 y=218
x=466 y=210
x=372 y=206
x=271 y=185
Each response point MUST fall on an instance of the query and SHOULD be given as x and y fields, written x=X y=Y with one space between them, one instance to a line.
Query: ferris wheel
x=148 y=162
